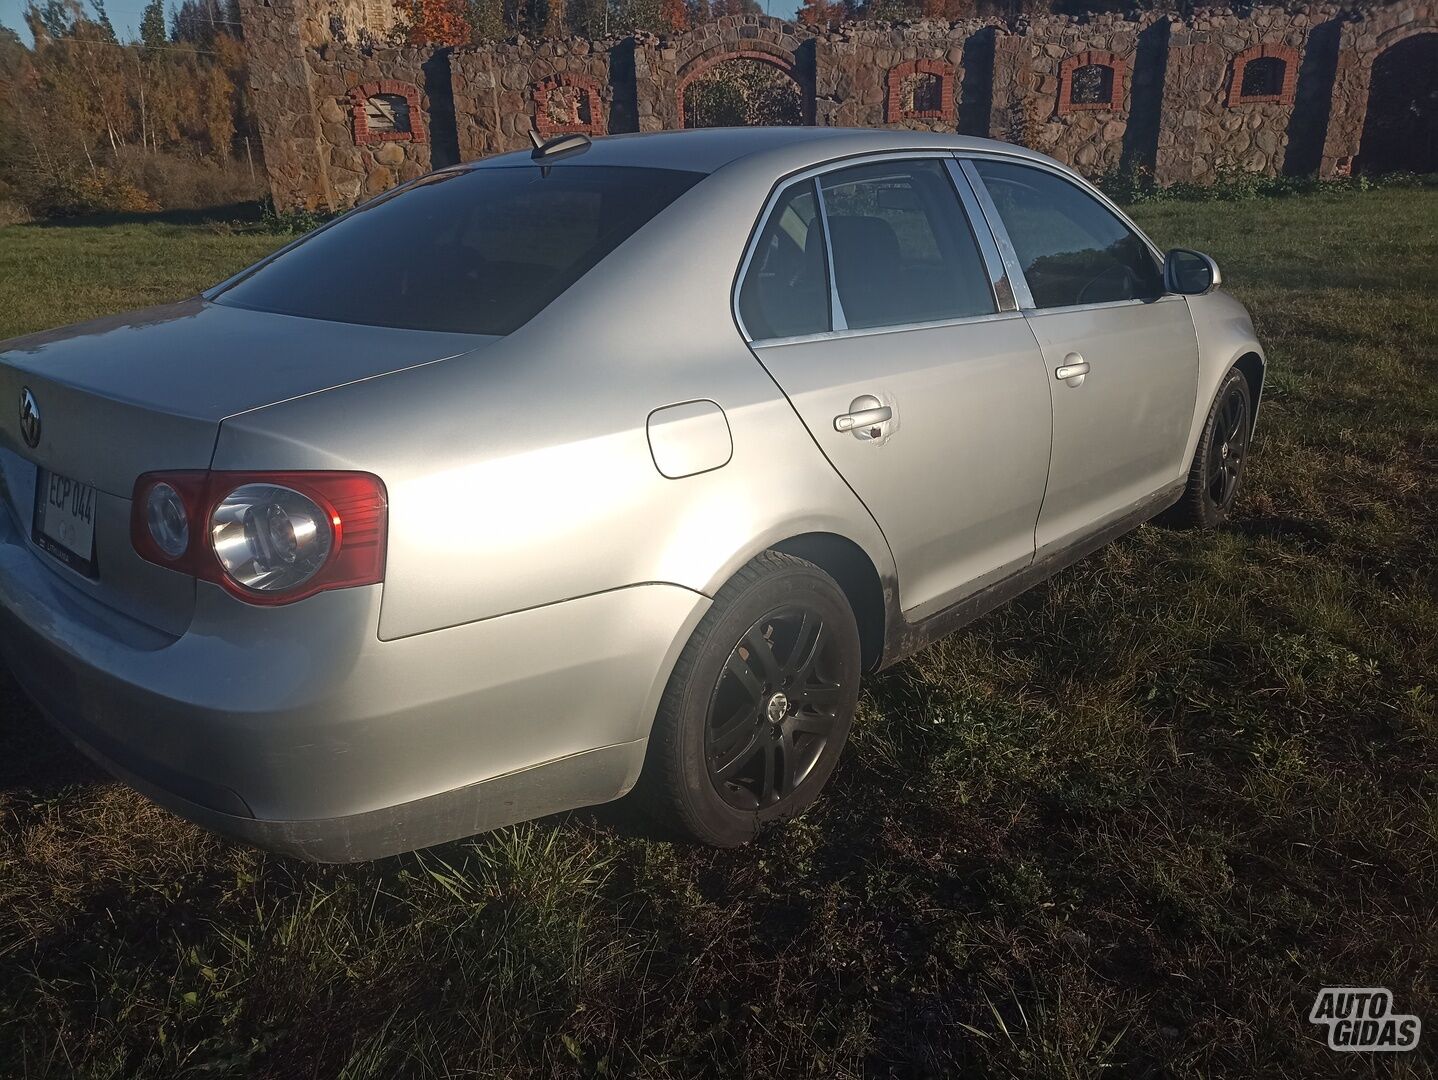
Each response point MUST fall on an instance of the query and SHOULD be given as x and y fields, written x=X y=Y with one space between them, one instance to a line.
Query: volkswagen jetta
x=605 y=464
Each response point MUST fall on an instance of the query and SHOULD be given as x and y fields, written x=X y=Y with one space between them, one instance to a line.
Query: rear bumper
x=296 y=728
x=583 y=779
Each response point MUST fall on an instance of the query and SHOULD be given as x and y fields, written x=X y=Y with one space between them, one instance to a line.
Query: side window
x=786 y=290
x=1072 y=248
x=903 y=250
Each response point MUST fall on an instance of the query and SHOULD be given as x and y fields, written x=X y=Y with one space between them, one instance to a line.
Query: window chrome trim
x=967 y=158
x=1166 y=298
x=781 y=187
x=872 y=331
x=1017 y=281
x=837 y=319
x=999 y=280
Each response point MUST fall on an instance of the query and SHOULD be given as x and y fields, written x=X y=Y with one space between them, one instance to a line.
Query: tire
x=779 y=618
x=1216 y=473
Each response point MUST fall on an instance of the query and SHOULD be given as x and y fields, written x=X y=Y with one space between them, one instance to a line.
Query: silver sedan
x=612 y=463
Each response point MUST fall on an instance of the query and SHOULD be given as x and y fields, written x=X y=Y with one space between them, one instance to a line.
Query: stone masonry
x=1277 y=90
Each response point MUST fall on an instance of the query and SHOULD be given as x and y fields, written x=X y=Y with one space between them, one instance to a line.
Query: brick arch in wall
x=586 y=100
x=1407 y=30
x=1117 y=82
x=743 y=37
x=359 y=98
x=1287 y=55
x=763 y=52
x=1389 y=38
x=1400 y=129
x=895 y=112
x=734 y=33
x=1348 y=102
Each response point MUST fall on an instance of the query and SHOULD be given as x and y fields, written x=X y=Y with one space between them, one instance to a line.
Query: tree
x=820 y=13
x=555 y=23
x=13 y=56
x=197 y=22
x=675 y=14
x=152 y=24
x=53 y=19
x=891 y=10
x=949 y=9
x=83 y=118
x=102 y=22
x=590 y=18
x=741 y=93
x=637 y=15
x=437 y=22
x=486 y=19
x=14 y=62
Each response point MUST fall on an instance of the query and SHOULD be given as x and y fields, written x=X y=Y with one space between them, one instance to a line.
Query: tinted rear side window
x=903 y=251
x=786 y=291
x=478 y=251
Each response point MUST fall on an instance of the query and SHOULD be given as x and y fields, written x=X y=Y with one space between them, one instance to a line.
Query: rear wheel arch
x=854 y=572
x=718 y=766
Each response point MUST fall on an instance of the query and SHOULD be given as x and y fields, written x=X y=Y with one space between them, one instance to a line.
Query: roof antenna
x=573 y=142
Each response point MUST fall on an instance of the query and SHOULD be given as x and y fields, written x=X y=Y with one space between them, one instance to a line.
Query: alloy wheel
x=774 y=708
x=1227 y=448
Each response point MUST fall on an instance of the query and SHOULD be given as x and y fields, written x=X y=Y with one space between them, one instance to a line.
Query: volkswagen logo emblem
x=29 y=418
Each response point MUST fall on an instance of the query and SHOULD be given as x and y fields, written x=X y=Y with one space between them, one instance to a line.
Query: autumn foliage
x=675 y=15
x=820 y=12
x=90 y=123
x=436 y=22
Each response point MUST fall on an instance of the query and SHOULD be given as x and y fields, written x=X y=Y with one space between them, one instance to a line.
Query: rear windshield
x=478 y=251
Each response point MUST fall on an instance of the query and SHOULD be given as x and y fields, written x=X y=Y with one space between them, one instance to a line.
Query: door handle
x=1073 y=369
x=867 y=416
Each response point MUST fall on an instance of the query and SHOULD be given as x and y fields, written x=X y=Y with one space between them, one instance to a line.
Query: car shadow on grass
x=36 y=761
x=1307 y=535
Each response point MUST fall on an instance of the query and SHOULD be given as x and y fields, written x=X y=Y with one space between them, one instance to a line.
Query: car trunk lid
x=147 y=391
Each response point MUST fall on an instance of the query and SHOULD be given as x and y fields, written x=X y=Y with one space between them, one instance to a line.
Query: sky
x=125 y=15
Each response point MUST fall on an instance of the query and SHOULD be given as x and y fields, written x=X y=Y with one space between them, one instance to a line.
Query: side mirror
x=1191 y=273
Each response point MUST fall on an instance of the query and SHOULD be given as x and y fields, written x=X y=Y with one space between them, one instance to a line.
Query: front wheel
x=759 y=705
x=1218 y=462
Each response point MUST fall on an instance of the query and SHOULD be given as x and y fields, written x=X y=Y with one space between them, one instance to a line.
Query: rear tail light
x=268 y=538
x=271 y=539
x=168 y=520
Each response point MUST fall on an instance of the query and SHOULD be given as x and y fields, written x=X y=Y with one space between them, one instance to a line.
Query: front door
x=870 y=302
x=1121 y=357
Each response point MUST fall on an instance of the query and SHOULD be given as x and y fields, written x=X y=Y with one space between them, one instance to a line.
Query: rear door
x=1121 y=356
x=887 y=320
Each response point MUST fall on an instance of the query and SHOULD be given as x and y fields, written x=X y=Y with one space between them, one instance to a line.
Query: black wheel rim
x=1226 y=450
x=774 y=709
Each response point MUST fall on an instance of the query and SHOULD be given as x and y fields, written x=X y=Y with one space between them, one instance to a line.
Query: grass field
x=1128 y=825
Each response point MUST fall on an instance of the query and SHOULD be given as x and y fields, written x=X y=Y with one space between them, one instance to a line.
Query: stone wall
x=503 y=91
x=864 y=68
x=1088 y=134
x=283 y=105
x=358 y=22
x=1209 y=125
x=1360 y=43
x=673 y=63
x=360 y=163
x=1276 y=90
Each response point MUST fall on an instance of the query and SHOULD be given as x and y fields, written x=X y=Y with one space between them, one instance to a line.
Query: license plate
x=65 y=520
